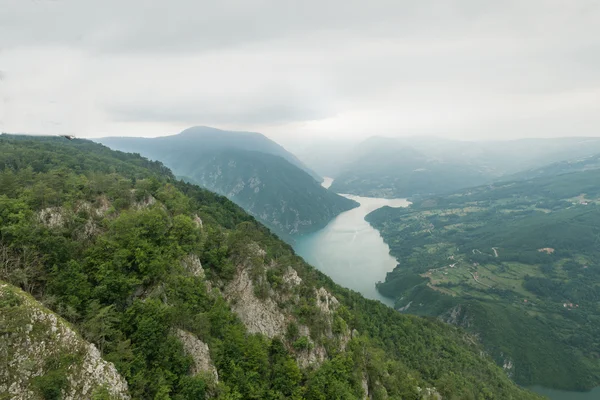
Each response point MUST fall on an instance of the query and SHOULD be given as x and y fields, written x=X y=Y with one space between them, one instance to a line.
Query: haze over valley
x=382 y=200
x=535 y=201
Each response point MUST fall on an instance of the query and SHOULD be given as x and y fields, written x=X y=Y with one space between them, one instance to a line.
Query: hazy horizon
x=316 y=139
x=462 y=69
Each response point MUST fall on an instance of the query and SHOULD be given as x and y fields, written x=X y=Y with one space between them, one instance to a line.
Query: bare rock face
x=508 y=366
x=291 y=277
x=256 y=250
x=429 y=394
x=199 y=352
x=198 y=221
x=457 y=316
x=94 y=372
x=326 y=302
x=268 y=315
x=314 y=355
x=52 y=217
x=364 y=383
x=34 y=341
x=192 y=264
x=259 y=316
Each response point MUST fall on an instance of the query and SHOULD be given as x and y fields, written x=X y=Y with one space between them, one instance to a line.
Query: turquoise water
x=350 y=251
x=561 y=395
x=354 y=255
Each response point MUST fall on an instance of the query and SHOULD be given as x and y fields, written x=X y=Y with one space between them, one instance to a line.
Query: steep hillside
x=189 y=297
x=44 y=358
x=180 y=148
x=517 y=263
x=273 y=191
x=251 y=170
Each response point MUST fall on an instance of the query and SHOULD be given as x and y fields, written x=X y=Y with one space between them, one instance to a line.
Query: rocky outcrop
x=291 y=278
x=429 y=393
x=198 y=221
x=93 y=374
x=191 y=263
x=199 y=352
x=266 y=317
x=508 y=366
x=405 y=308
x=326 y=302
x=457 y=316
x=259 y=316
x=35 y=342
x=314 y=356
x=52 y=217
x=364 y=384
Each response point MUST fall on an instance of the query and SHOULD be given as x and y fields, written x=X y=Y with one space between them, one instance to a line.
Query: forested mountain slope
x=286 y=198
x=189 y=297
x=198 y=139
x=253 y=171
x=517 y=263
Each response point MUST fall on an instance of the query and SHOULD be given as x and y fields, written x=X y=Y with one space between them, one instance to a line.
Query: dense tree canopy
x=99 y=237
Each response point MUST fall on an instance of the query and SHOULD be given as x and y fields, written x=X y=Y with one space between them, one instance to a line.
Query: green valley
x=168 y=291
x=515 y=263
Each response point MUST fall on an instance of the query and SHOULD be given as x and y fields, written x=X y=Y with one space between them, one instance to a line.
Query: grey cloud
x=457 y=67
x=140 y=25
x=207 y=113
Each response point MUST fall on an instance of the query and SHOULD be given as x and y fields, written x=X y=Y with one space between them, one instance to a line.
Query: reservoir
x=349 y=250
x=354 y=255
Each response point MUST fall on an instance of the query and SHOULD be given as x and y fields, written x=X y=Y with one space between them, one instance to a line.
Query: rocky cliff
x=42 y=357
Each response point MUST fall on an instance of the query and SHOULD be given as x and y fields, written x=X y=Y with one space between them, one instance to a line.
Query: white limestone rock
x=33 y=335
x=199 y=352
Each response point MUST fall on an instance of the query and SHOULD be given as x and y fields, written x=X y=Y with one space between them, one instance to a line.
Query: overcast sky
x=302 y=69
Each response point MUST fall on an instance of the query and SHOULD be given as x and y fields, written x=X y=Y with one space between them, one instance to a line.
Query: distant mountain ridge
x=558 y=168
x=204 y=138
x=407 y=167
x=384 y=167
x=250 y=169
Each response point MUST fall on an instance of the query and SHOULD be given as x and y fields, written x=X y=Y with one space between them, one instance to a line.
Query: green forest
x=517 y=263
x=98 y=237
x=251 y=170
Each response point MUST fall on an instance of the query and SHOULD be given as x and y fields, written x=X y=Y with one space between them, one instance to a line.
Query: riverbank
x=350 y=250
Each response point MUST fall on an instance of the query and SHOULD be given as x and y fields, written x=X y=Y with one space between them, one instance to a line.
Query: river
x=354 y=255
x=349 y=250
